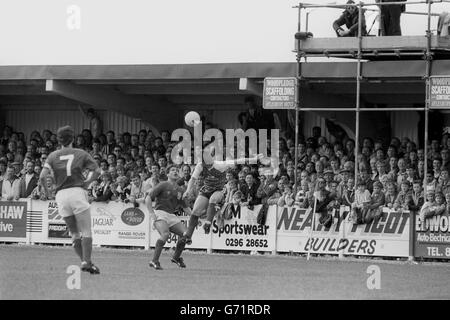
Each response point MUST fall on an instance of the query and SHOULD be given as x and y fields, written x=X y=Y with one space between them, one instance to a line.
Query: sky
x=58 y=32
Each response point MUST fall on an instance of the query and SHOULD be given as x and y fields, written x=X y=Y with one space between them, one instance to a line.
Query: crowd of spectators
x=131 y=164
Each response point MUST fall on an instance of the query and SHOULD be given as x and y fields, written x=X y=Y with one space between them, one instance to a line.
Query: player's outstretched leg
x=200 y=205
x=179 y=229
x=211 y=211
x=76 y=236
x=163 y=229
x=84 y=225
x=210 y=214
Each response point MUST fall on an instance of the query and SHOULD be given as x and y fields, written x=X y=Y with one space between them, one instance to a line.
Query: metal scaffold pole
x=297 y=105
x=358 y=91
x=428 y=61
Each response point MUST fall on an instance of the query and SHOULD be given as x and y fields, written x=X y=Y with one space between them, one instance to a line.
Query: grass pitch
x=40 y=272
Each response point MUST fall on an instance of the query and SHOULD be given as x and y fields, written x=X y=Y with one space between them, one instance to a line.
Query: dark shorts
x=208 y=191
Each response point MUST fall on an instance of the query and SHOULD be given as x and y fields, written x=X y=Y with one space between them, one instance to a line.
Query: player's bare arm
x=92 y=175
x=234 y=162
x=45 y=173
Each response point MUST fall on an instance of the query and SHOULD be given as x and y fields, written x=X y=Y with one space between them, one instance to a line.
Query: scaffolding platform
x=376 y=48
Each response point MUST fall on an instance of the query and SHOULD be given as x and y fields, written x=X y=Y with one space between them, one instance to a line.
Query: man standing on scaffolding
x=350 y=18
x=390 y=18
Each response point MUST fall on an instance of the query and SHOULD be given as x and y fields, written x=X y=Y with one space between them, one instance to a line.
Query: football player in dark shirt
x=211 y=193
x=168 y=197
x=66 y=165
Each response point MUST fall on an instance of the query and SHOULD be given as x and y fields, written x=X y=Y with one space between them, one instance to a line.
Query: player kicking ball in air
x=211 y=193
x=66 y=165
x=168 y=197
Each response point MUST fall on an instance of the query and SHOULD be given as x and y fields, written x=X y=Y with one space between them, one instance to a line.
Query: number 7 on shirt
x=69 y=159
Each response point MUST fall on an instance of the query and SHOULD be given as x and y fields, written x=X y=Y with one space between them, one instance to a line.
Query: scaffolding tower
x=361 y=48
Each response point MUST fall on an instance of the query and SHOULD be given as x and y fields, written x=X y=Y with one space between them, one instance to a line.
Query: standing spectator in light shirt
x=10 y=187
x=95 y=124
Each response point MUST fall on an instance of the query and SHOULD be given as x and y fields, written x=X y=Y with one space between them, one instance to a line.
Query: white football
x=192 y=118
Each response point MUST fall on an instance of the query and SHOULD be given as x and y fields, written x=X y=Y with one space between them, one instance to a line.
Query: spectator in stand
x=257 y=117
x=185 y=175
x=416 y=199
x=17 y=168
x=376 y=203
x=96 y=149
x=410 y=174
x=401 y=203
x=121 y=189
x=138 y=191
x=273 y=199
x=165 y=137
x=3 y=167
x=267 y=186
x=104 y=167
x=159 y=147
x=230 y=189
x=323 y=201
x=390 y=195
x=364 y=177
x=95 y=124
x=434 y=153
x=7 y=131
x=86 y=133
x=80 y=143
x=110 y=145
x=37 y=170
x=112 y=160
x=444 y=182
x=103 y=193
x=360 y=206
x=445 y=158
x=10 y=187
x=287 y=198
x=301 y=197
x=431 y=182
x=344 y=176
x=39 y=192
x=28 y=182
x=97 y=159
x=437 y=168
x=431 y=208
x=249 y=192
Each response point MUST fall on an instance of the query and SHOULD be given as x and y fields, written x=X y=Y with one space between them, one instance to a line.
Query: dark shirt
x=67 y=165
x=168 y=197
x=250 y=194
x=351 y=22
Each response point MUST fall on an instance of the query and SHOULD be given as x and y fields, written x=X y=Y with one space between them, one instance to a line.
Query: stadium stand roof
x=328 y=83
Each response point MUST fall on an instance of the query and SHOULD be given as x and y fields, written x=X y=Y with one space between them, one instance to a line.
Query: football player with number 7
x=67 y=165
